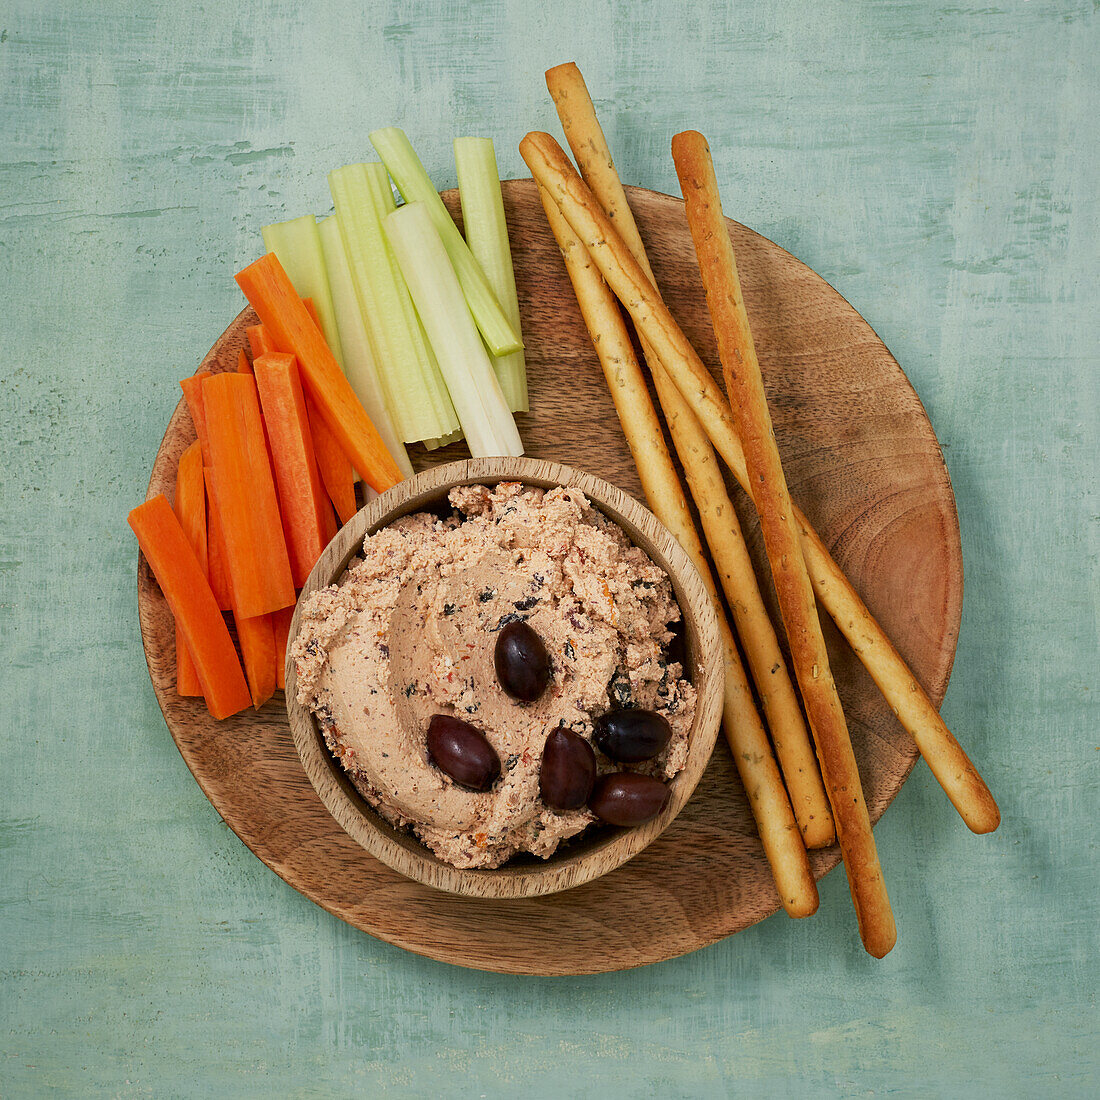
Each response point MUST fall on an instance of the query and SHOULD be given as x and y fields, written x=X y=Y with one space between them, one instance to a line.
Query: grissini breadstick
x=720 y=524
x=745 y=385
x=741 y=724
x=945 y=756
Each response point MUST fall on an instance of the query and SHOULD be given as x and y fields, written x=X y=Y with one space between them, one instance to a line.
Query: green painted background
x=938 y=164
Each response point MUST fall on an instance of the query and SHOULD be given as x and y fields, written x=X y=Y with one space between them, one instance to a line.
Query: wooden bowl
x=597 y=850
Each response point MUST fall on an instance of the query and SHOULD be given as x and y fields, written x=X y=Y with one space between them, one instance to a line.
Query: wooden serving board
x=863 y=462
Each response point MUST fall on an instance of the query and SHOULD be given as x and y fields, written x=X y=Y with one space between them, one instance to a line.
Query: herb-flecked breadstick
x=945 y=756
x=720 y=524
x=741 y=724
x=745 y=386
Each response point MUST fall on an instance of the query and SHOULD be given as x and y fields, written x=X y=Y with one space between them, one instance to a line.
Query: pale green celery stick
x=487 y=235
x=298 y=247
x=359 y=364
x=412 y=181
x=443 y=441
x=415 y=392
x=482 y=411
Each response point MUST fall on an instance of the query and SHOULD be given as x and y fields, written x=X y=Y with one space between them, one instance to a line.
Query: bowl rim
x=604 y=850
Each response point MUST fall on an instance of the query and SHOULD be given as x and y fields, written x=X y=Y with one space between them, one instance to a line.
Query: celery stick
x=487 y=236
x=413 y=183
x=443 y=441
x=298 y=248
x=415 y=392
x=482 y=411
x=359 y=364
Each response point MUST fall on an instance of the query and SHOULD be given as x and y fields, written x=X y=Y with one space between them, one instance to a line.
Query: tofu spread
x=409 y=633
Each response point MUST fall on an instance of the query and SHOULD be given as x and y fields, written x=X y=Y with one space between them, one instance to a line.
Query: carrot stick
x=745 y=385
x=187 y=677
x=280 y=621
x=262 y=466
x=215 y=546
x=192 y=394
x=254 y=636
x=314 y=316
x=251 y=633
x=190 y=504
x=244 y=491
x=301 y=493
x=243 y=365
x=336 y=470
x=190 y=509
x=188 y=594
x=217 y=570
x=337 y=473
x=257 y=654
x=259 y=341
x=257 y=638
x=272 y=295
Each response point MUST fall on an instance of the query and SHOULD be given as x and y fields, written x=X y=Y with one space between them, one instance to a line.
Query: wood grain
x=862 y=461
x=598 y=851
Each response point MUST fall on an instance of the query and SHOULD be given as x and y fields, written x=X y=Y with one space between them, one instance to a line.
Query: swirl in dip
x=410 y=631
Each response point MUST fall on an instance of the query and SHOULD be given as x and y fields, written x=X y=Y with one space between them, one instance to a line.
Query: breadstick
x=745 y=385
x=949 y=763
x=720 y=524
x=741 y=723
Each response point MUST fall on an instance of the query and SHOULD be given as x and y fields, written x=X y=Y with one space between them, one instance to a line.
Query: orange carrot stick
x=216 y=565
x=181 y=579
x=244 y=492
x=301 y=494
x=280 y=621
x=337 y=474
x=190 y=509
x=314 y=316
x=336 y=470
x=257 y=653
x=192 y=394
x=243 y=365
x=260 y=341
x=262 y=468
x=190 y=504
x=272 y=295
x=258 y=658
x=187 y=677
x=257 y=638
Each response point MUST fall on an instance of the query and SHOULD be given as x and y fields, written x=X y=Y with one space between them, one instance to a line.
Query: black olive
x=568 y=770
x=463 y=752
x=627 y=798
x=631 y=735
x=522 y=663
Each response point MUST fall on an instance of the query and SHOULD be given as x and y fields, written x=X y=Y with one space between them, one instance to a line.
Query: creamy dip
x=410 y=630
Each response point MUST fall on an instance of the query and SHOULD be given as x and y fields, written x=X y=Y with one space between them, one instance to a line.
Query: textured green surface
x=937 y=164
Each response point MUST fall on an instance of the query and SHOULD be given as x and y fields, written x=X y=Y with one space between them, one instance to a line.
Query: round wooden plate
x=862 y=460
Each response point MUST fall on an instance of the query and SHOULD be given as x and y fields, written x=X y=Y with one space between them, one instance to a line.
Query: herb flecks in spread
x=410 y=633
